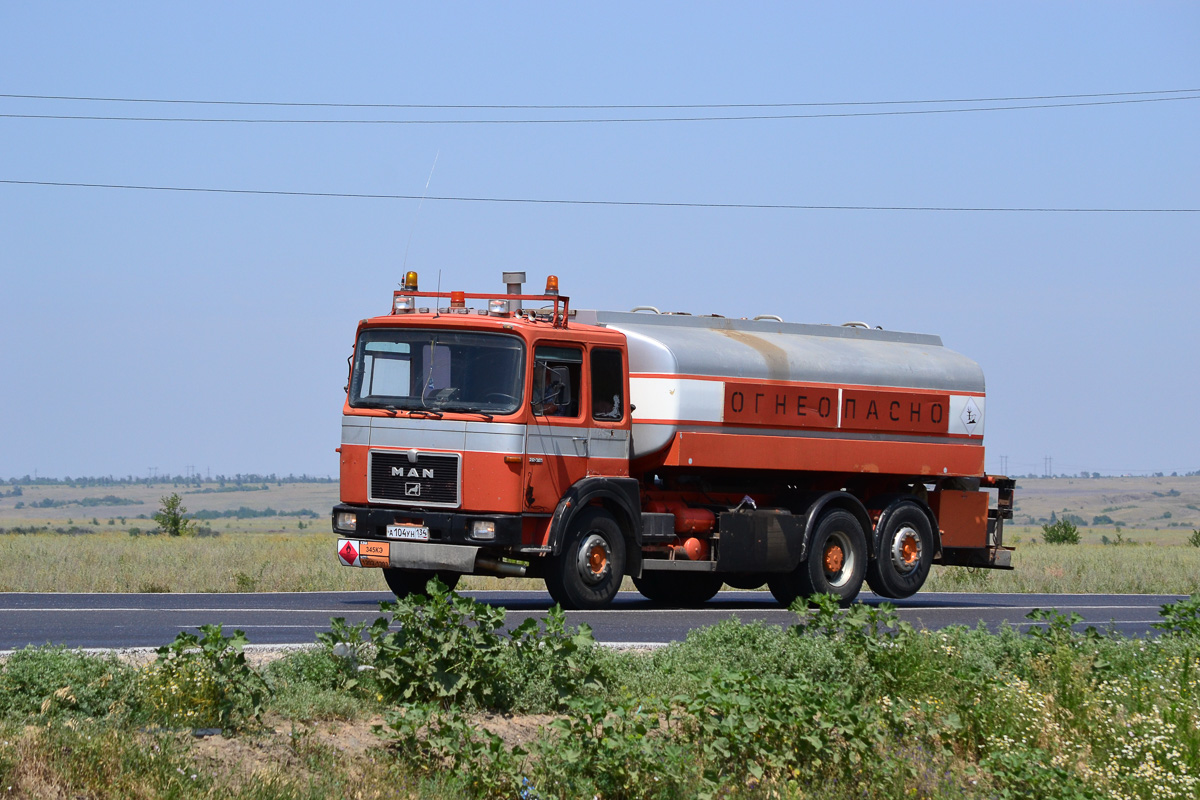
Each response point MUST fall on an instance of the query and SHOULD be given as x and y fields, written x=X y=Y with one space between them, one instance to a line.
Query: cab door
x=608 y=434
x=556 y=439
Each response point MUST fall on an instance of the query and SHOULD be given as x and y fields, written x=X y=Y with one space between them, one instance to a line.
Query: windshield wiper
x=425 y=413
x=465 y=410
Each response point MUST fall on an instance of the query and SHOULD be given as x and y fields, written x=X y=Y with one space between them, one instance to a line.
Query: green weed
x=449 y=649
x=311 y=684
x=202 y=682
x=52 y=681
x=429 y=739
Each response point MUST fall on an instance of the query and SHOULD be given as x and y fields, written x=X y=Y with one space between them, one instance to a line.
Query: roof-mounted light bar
x=404 y=300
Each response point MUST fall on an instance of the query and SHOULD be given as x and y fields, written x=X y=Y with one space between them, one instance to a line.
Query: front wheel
x=405 y=582
x=836 y=562
x=588 y=571
x=905 y=553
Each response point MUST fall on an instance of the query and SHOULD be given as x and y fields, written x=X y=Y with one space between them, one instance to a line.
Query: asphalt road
x=151 y=620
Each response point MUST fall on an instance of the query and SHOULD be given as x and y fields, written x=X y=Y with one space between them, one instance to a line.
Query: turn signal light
x=410 y=281
x=552 y=284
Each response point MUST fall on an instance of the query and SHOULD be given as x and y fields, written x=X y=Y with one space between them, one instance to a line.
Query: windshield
x=407 y=369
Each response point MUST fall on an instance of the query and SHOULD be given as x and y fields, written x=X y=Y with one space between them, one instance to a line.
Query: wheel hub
x=834 y=558
x=594 y=559
x=838 y=559
x=907 y=549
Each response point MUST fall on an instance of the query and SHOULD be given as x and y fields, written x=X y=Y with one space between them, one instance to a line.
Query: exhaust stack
x=514 y=281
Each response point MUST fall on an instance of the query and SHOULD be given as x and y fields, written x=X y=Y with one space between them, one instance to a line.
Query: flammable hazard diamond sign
x=347 y=553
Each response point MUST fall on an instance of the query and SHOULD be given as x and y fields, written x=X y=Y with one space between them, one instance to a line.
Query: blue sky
x=166 y=330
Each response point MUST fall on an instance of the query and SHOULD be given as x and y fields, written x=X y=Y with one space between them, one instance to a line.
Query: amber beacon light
x=552 y=285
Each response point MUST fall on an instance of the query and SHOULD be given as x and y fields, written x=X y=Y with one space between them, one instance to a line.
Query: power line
x=520 y=107
x=593 y=120
x=627 y=203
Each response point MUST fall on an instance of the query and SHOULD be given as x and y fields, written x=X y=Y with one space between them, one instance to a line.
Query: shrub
x=445 y=648
x=604 y=750
x=344 y=650
x=54 y=680
x=1061 y=532
x=203 y=681
x=1181 y=618
x=171 y=517
x=546 y=663
x=449 y=649
x=314 y=684
x=431 y=741
x=1194 y=539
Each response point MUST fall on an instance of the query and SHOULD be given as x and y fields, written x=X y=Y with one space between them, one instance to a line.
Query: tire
x=588 y=571
x=405 y=582
x=836 y=563
x=678 y=589
x=905 y=553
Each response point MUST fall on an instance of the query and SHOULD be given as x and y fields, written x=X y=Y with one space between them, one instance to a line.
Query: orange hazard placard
x=373 y=550
x=374 y=561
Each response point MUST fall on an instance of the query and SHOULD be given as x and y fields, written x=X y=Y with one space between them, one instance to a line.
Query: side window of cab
x=608 y=385
x=557 y=374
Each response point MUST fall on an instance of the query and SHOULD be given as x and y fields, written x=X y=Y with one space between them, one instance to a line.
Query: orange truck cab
x=510 y=435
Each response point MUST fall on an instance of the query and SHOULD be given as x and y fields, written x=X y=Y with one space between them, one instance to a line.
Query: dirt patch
x=515 y=730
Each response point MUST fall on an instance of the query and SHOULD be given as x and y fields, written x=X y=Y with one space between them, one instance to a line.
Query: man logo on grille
x=412 y=490
x=412 y=472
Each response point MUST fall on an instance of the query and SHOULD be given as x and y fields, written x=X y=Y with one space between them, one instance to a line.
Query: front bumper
x=444 y=527
x=407 y=555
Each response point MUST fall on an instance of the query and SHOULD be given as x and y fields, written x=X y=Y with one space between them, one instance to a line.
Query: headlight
x=483 y=529
x=346 y=521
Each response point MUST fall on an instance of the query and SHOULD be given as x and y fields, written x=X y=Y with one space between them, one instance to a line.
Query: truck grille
x=431 y=481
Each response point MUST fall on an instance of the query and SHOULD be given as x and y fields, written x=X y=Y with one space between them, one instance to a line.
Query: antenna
x=436 y=310
x=413 y=228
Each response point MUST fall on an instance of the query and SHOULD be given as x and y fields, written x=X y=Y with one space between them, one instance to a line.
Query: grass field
x=295 y=553
x=305 y=561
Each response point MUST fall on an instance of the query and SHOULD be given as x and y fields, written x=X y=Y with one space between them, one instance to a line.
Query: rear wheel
x=905 y=553
x=836 y=562
x=588 y=571
x=678 y=588
x=405 y=582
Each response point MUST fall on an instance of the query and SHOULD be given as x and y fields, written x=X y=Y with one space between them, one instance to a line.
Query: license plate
x=420 y=532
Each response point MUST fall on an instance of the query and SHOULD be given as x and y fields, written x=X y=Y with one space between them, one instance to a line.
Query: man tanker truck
x=508 y=434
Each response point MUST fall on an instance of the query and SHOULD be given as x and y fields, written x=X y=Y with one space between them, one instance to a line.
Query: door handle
x=583 y=439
